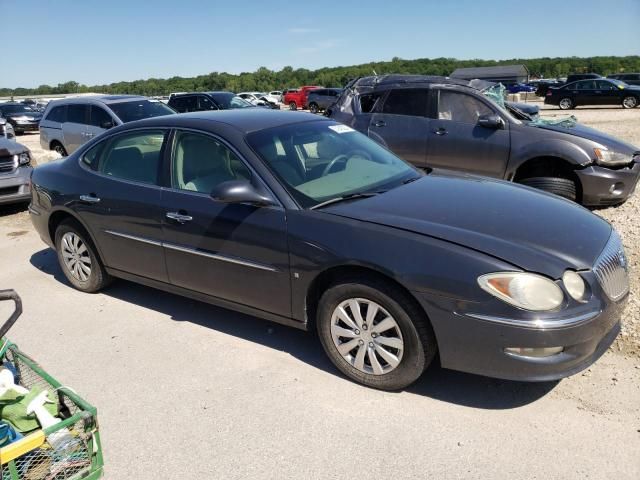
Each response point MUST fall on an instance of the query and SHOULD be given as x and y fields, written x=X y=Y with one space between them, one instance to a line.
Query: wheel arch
x=330 y=275
x=59 y=216
x=548 y=166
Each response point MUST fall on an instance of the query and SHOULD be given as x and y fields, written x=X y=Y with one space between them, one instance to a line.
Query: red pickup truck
x=298 y=98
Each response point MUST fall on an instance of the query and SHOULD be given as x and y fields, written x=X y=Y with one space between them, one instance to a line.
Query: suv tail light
x=549 y=93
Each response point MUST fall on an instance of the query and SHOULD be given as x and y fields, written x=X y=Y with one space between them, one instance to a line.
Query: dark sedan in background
x=203 y=101
x=437 y=122
x=306 y=222
x=21 y=117
x=600 y=91
x=628 y=78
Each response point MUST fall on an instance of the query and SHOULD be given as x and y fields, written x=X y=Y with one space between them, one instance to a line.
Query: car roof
x=246 y=120
x=106 y=99
x=183 y=94
x=385 y=82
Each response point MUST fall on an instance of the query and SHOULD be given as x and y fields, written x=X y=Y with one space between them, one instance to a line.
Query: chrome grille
x=8 y=163
x=611 y=268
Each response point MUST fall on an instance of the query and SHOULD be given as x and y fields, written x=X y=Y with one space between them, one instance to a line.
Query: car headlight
x=609 y=157
x=574 y=284
x=24 y=159
x=523 y=290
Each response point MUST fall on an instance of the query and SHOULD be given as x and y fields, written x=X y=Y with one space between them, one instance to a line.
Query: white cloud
x=318 y=46
x=302 y=30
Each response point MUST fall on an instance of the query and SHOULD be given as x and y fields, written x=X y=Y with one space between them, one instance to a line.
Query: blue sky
x=93 y=42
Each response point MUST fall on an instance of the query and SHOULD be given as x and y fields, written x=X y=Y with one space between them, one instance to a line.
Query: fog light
x=533 y=352
x=617 y=188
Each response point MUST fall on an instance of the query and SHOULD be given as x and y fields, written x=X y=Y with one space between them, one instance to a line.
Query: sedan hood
x=535 y=231
x=579 y=130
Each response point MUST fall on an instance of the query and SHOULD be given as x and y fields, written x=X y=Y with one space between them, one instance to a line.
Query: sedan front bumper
x=477 y=345
x=603 y=186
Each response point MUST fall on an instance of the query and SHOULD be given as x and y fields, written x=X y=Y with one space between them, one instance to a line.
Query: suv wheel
x=313 y=107
x=629 y=102
x=566 y=104
x=374 y=334
x=57 y=147
x=562 y=187
x=78 y=258
x=293 y=106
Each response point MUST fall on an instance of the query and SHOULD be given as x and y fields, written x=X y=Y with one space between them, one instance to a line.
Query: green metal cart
x=35 y=457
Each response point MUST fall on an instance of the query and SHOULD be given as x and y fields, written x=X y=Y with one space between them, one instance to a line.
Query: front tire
x=375 y=333
x=562 y=187
x=566 y=104
x=78 y=258
x=629 y=102
x=293 y=106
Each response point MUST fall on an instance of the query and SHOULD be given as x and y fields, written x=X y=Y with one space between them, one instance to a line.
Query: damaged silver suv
x=15 y=172
x=439 y=122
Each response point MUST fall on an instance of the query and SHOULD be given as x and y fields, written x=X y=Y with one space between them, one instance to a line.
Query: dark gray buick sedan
x=306 y=222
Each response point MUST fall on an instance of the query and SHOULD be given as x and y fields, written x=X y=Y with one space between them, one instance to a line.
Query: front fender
x=571 y=152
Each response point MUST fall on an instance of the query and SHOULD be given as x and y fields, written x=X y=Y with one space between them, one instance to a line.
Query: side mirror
x=239 y=191
x=491 y=121
x=107 y=125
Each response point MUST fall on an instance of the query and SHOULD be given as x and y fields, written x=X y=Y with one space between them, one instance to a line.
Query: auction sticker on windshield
x=341 y=128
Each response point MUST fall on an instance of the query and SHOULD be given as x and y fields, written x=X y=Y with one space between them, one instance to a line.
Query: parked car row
x=305 y=221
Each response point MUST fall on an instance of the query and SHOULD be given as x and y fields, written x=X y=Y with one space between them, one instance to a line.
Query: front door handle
x=179 y=217
x=89 y=198
x=380 y=123
x=440 y=131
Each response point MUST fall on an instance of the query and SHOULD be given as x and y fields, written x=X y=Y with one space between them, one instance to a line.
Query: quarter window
x=406 y=102
x=460 y=107
x=133 y=156
x=78 y=114
x=200 y=163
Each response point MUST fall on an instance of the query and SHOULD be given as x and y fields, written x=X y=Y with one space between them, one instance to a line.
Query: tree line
x=264 y=79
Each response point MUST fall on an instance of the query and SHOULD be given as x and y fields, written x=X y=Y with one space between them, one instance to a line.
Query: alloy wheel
x=367 y=336
x=630 y=102
x=565 y=104
x=76 y=256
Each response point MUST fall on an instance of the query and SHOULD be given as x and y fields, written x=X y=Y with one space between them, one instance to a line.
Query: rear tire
x=293 y=106
x=566 y=104
x=79 y=259
x=57 y=147
x=313 y=107
x=629 y=102
x=407 y=346
x=563 y=187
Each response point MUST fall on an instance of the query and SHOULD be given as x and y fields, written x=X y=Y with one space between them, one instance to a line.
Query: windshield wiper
x=351 y=196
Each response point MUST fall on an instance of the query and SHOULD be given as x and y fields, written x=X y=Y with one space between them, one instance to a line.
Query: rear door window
x=133 y=156
x=460 y=107
x=78 y=114
x=58 y=114
x=586 y=85
x=411 y=102
x=99 y=117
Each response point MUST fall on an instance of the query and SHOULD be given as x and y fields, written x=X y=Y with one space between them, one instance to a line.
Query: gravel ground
x=616 y=121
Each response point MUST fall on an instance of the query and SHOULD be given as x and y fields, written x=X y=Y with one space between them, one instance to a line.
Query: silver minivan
x=69 y=123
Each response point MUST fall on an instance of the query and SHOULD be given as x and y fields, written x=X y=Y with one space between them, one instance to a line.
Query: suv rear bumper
x=605 y=186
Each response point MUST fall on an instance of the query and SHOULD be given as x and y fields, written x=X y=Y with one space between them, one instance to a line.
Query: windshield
x=9 y=109
x=320 y=161
x=230 y=100
x=139 y=109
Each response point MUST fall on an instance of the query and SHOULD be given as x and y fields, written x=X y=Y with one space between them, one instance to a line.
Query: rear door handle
x=179 y=217
x=89 y=198
x=380 y=123
x=440 y=131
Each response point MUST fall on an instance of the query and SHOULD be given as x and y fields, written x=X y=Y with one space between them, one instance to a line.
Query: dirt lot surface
x=186 y=390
